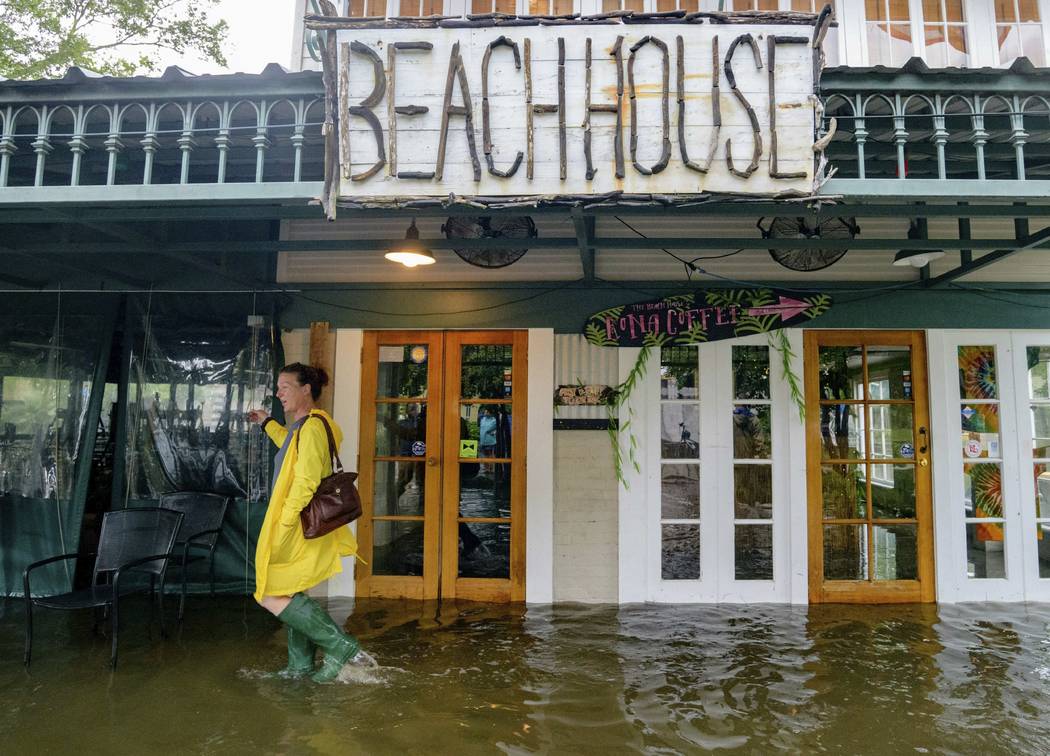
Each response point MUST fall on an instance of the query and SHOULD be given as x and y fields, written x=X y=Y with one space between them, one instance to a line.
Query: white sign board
x=525 y=111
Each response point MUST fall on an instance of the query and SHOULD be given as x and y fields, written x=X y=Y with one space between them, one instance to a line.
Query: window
x=550 y=7
x=756 y=5
x=888 y=27
x=692 y=6
x=811 y=6
x=493 y=6
x=944 y=33
x=608 y=6
x=362 y=8
x=881 y=441
x=1019 y=31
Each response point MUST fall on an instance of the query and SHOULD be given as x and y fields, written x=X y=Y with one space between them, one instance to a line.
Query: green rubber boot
x=300 y=655
x=309 y=618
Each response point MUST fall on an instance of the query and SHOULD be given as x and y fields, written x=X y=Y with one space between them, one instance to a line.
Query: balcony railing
x=180 y=129
x=953 y=127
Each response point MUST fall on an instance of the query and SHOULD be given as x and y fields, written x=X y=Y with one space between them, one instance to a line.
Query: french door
x=442 y=467
x=868 y=467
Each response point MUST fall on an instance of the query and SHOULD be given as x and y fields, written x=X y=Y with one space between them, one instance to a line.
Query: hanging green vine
x=618 y=398
x=778 y=341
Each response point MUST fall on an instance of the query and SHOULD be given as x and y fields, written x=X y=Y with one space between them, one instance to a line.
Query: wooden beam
x=584 y=225
x=1033 y=241
x=322 y=355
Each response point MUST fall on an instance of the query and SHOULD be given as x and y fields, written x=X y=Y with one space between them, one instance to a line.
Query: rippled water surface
x=468 y=678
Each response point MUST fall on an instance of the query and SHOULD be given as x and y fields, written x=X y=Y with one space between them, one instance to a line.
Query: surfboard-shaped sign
x=703 y=316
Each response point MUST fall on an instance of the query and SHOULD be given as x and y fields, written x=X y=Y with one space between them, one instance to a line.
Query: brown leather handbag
x=335 y=502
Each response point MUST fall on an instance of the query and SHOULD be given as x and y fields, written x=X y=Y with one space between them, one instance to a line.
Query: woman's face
x=293 y=395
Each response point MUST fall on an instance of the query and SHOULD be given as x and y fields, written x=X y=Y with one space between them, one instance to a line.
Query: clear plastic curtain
x=198 y=364
x=50 y=348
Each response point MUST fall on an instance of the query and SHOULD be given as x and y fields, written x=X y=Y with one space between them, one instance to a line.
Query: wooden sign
x=703 y=316
x=583 y=395
x=581 y=109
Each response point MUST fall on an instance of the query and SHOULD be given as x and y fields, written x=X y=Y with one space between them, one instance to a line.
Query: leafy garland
x=618 y=398
x=778 y=341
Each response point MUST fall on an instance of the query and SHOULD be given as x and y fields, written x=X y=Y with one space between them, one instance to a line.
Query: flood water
x=467 y=678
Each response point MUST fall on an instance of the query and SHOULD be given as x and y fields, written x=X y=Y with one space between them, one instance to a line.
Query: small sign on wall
x=580 y=395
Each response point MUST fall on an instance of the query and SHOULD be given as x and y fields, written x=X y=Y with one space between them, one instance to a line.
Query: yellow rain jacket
x=285 y=562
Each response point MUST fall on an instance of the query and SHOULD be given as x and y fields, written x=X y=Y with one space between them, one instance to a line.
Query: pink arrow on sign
x=788 y=308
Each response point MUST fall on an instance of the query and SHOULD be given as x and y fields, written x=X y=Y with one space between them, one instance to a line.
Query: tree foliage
x=41 y=38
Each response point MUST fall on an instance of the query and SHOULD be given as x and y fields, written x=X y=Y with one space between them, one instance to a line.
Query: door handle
x=925 y=443
x=432 y=461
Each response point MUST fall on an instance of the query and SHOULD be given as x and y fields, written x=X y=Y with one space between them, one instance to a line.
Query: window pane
x=486 y=371
x=844 y=491
x=1042 y=490
x=401 y=430
x=680 y=492
x=931 y=11
x=899 y=10
x=1029 y=9
x=875 y=10
x=484 y=549
x=845 y=552
x=484 y=493
x=977 y=375
x=562 y=7
x=753 y=492
x=753 y=552
x=892 y=431
x=955 y=10
x=750 y=372
x=397 y=547
x=751 y=431
x=980 y=430
x=486 y=428
x=402 y=371
x=399 y=488
x=1038 y=372
x=1041 y=430
x=841 y=373
x=357 y=8
x=680 y=552
x=893 y=492
x=1005 y=11
x=679 y=431
x=1042 y=536
x=895 y=552
x=889 y=372
x=841 y=431
x=679 y=374
x=983 y=490
x=984 y=551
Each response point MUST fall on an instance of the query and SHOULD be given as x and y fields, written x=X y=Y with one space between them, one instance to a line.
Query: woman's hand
x=257 y=416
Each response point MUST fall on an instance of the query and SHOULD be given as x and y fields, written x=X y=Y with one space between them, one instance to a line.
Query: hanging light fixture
x=917 y=258
x=410 y=252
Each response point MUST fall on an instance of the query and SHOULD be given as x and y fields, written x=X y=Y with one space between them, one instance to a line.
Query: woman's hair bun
x=316 y=377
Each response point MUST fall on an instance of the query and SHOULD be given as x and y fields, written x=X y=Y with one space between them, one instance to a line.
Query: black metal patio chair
x=133 y=551
x=203 y=514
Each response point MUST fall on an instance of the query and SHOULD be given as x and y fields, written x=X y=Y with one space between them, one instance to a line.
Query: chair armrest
x=201 y=534
x=135 y=563
x=49 y=560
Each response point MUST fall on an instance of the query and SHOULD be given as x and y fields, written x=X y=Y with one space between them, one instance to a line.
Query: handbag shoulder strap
x=337 y=465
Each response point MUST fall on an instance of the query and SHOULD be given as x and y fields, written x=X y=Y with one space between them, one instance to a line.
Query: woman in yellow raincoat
x=286 y=563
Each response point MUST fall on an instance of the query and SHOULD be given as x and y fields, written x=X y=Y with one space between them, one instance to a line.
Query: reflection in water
x=470 y=678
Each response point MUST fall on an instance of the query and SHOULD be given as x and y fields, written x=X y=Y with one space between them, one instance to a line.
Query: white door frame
x=640 y=575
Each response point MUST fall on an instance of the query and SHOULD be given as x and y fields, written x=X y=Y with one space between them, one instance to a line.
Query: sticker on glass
x=468 y=449
x=418 y=449
x=907 y=450
x=973 y=447
x=968 y=412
